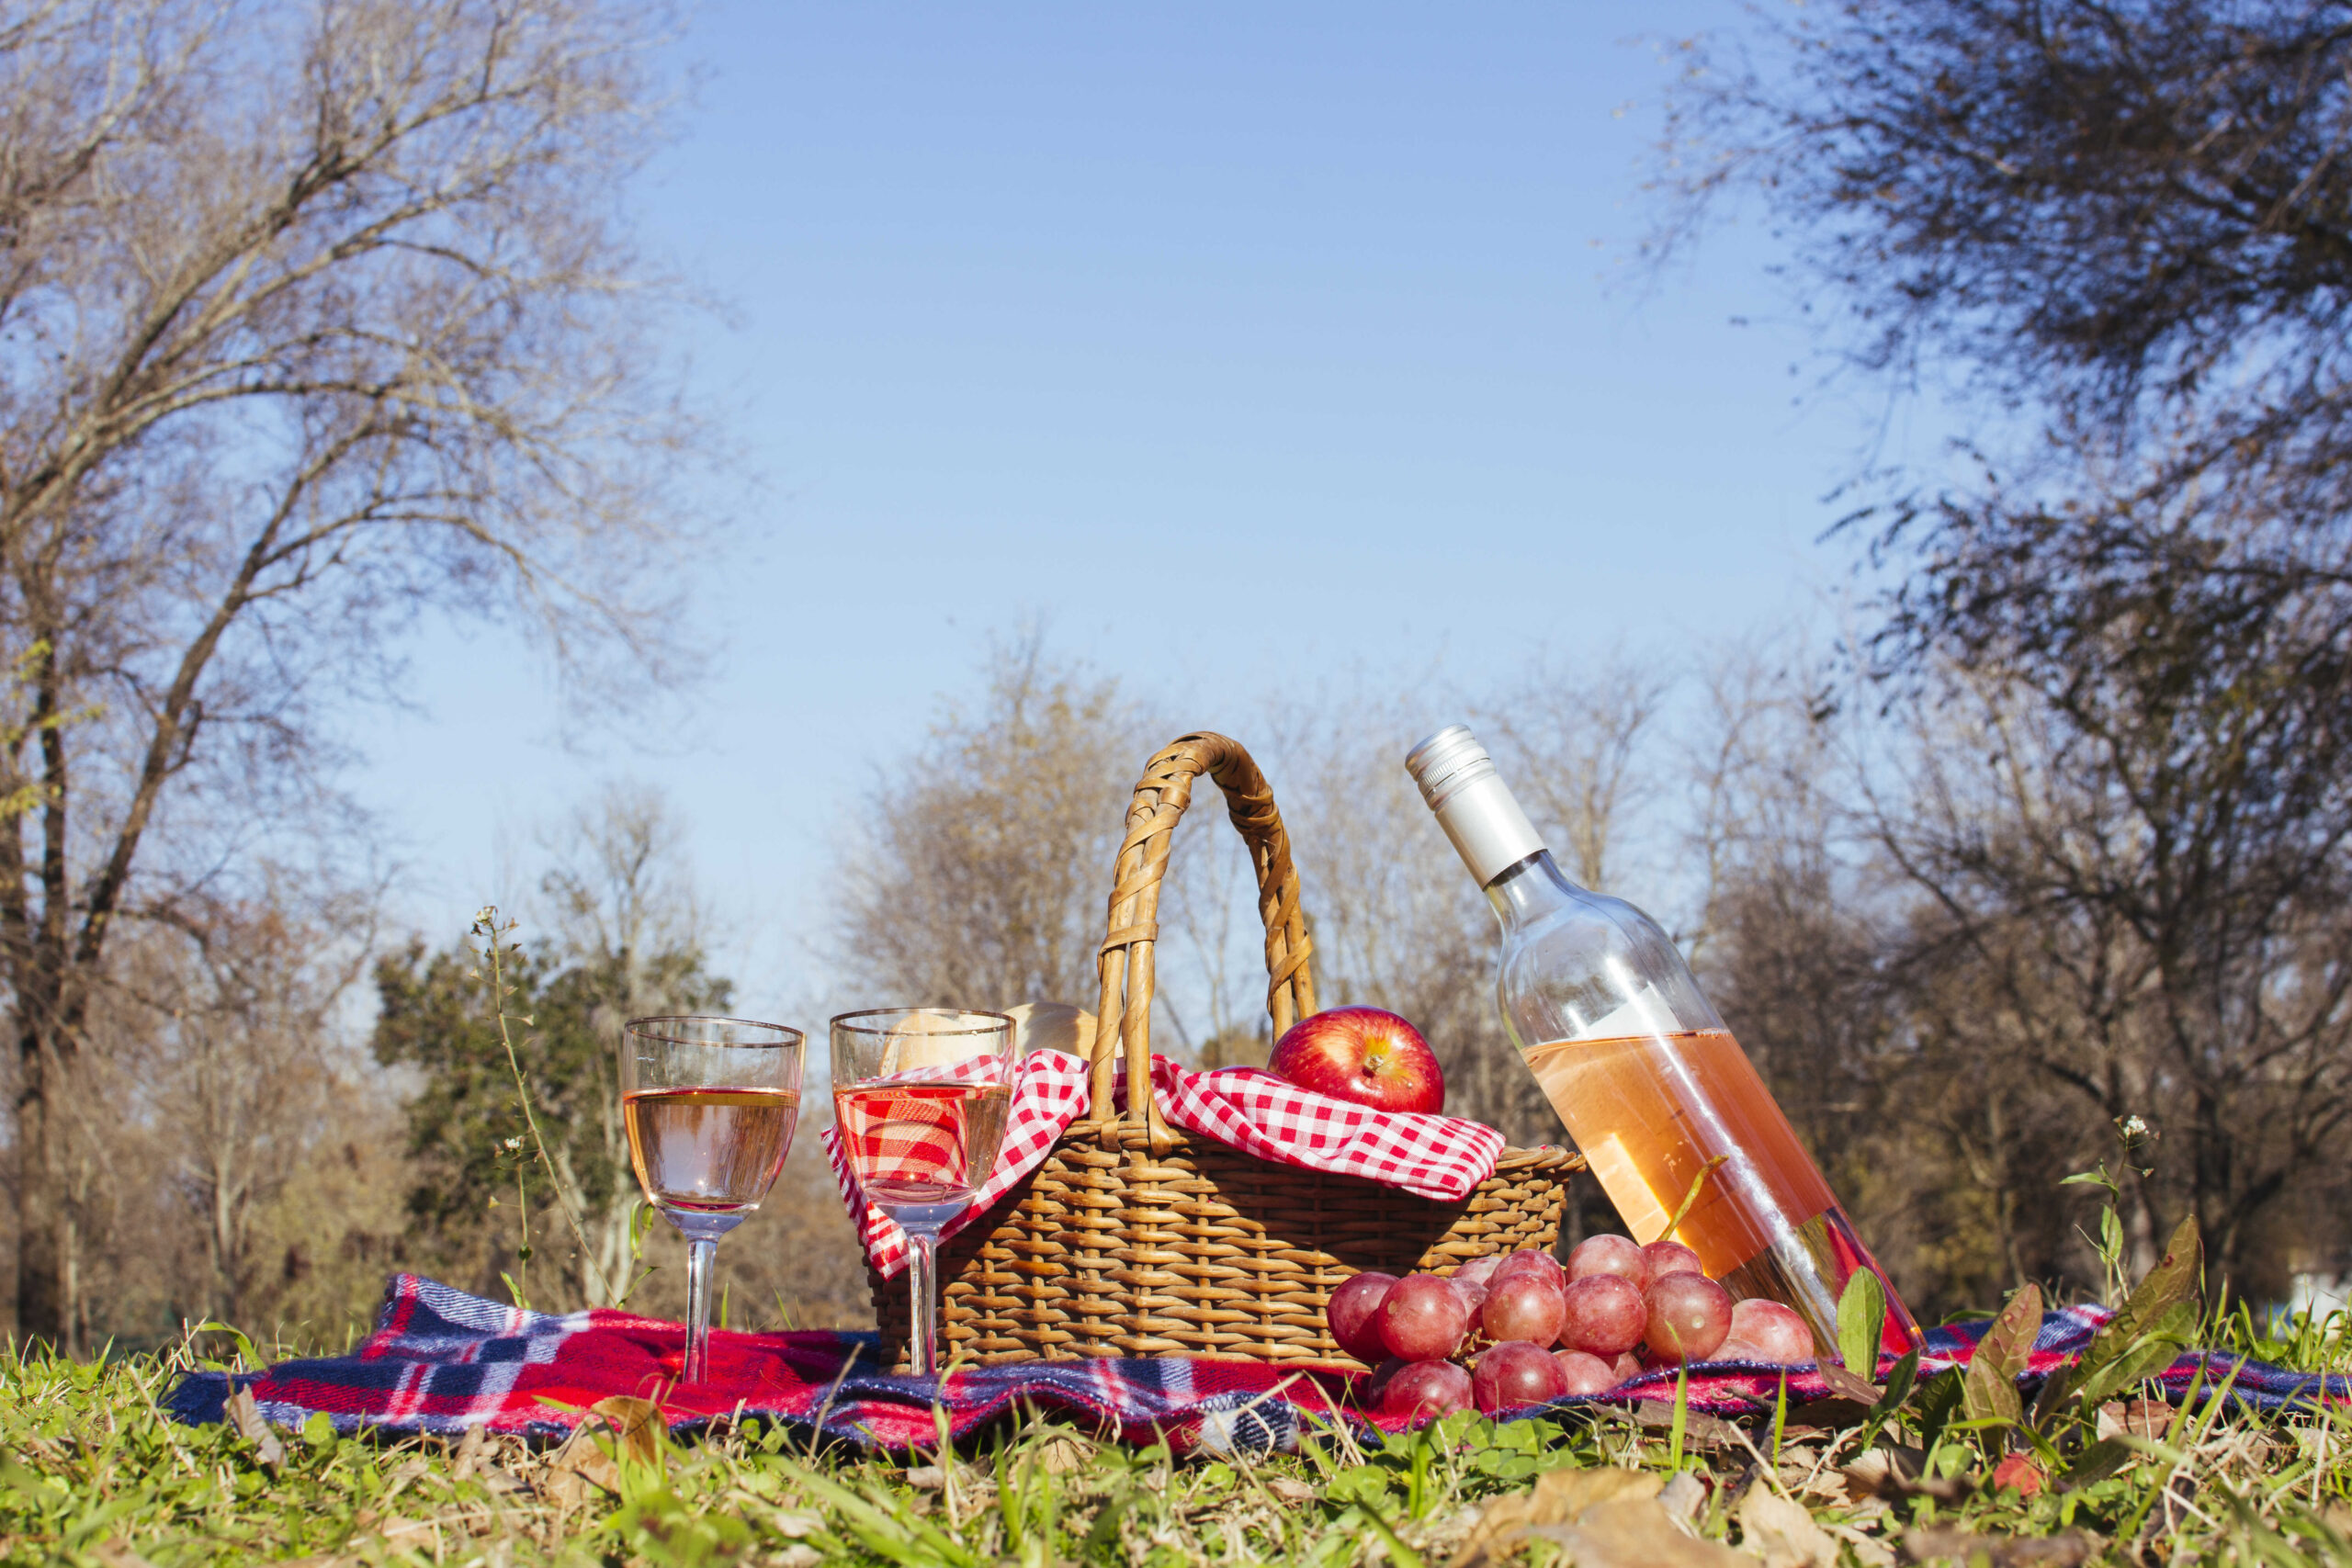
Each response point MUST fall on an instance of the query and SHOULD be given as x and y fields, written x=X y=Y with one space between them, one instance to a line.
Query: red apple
x=1363 y=1055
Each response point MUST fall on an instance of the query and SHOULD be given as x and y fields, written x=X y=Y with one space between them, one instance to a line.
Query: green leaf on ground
x=1862 y=1321
x=1989 y=1392
x=2155 y=1320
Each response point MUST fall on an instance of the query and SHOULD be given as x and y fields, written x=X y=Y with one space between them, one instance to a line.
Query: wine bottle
x=1653 y=1088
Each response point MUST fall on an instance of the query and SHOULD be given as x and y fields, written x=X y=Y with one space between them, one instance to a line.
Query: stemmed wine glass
x=920 y=1099
x=710 y=1104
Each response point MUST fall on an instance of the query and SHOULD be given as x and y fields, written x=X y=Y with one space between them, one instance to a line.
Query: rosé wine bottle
x=1650 y=1084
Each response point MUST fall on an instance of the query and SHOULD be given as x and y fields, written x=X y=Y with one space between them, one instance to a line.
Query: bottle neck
x=1488 y=829
x=1530 y=889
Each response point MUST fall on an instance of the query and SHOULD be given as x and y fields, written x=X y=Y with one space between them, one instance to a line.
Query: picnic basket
x=1134 y=1238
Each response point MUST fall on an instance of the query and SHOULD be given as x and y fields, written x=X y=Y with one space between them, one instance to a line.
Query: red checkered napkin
x=918 y=1131
x=1252 y=1110
x=1048 y=1095
x=1247 y=1109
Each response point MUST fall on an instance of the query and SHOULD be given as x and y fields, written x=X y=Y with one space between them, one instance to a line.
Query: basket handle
x=1125 y=959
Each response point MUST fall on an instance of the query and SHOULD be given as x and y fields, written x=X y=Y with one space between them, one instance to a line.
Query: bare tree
x=2118 y=663
x=2154 y=932
x=1573 y=749
x=2114 y=210
x=244 y=1055
x=630 y=921
x=1209 y=905
x=1394 y=922
x=977 y=874
x=314 y=319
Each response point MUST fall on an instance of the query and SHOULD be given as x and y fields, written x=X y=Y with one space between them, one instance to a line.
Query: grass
x=91 y=1472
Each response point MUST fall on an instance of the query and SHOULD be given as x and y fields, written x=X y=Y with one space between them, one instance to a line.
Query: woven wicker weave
x=1133 y=1239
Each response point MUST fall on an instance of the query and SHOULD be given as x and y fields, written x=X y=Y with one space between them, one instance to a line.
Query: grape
x=1585 y=1374
x=1422 y=1318
x=1426 y=1388
x=1472 y=1292
x=1619 y=1255
x=1524 y=1307
x=1353 y=1313
x=1374 y=1386
x=1479 y=1270
x=1671 y=1258
x=1527 y=1260
x=1604 y=1315
x=1689 y=1316
x=1628 y=1366
x=1515 y=1373
x=1766 y=1331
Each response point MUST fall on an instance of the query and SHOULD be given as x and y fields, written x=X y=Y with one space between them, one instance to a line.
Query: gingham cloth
x=1247 y=1109
x=441 y=1360
x=908 y=1136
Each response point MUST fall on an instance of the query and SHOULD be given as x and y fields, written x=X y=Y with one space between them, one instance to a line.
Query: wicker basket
x=1133 y=1239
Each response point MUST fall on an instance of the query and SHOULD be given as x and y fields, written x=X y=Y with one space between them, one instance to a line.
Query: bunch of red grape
x=1539 y=1331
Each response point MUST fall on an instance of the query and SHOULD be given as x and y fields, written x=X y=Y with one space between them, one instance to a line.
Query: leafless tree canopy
x=629 y=918
x=312 y=320
x=979 y=870
x=2106 y=203
x=2120 y=661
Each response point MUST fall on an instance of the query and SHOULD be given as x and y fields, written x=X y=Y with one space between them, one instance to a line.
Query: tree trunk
x=46 y=1242
x=225 y=1245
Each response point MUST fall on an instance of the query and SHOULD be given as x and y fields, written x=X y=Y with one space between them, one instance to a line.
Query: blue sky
x=1239 y=345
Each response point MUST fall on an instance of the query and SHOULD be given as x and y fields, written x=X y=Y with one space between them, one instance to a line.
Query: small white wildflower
x=513 y=1143
x=2134 y=1128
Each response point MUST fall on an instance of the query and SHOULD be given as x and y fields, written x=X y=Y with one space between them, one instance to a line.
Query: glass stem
x=699 y=1252
x=923 y=1281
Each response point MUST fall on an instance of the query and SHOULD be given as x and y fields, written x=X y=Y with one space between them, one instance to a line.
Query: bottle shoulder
x=1594 y=967
x=1594 y=923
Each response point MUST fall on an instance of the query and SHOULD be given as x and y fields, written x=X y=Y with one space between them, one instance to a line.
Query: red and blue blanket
x=441 y=1360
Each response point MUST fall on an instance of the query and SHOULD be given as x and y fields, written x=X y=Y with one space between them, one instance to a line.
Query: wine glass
x=710 y=1104
x=920 y=1099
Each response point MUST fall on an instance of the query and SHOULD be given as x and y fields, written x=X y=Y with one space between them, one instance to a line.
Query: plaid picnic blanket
x=441 y=1360
x=1246 y=1108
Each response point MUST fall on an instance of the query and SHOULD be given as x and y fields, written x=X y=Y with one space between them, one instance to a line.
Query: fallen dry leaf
x=1680 y=1497
x=1947 y=1544
x=2019 y=1471
x=1288 y=1491
x=245 y=1414
x=469 y=1451
x=637 y=1423
x=1059 y=1456
x=1783 y=1534
x=2141 y=1418
x=1897 y=1471
x=1634 y=1532
x=1855 y=1390
x=118 y=1553
x=398 y=1530
x=576 y=1468
x=1557 y=1498
x=1871 y=1551
x=1698 y=1429
x=1573 y=1491
x=1823 y=1417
